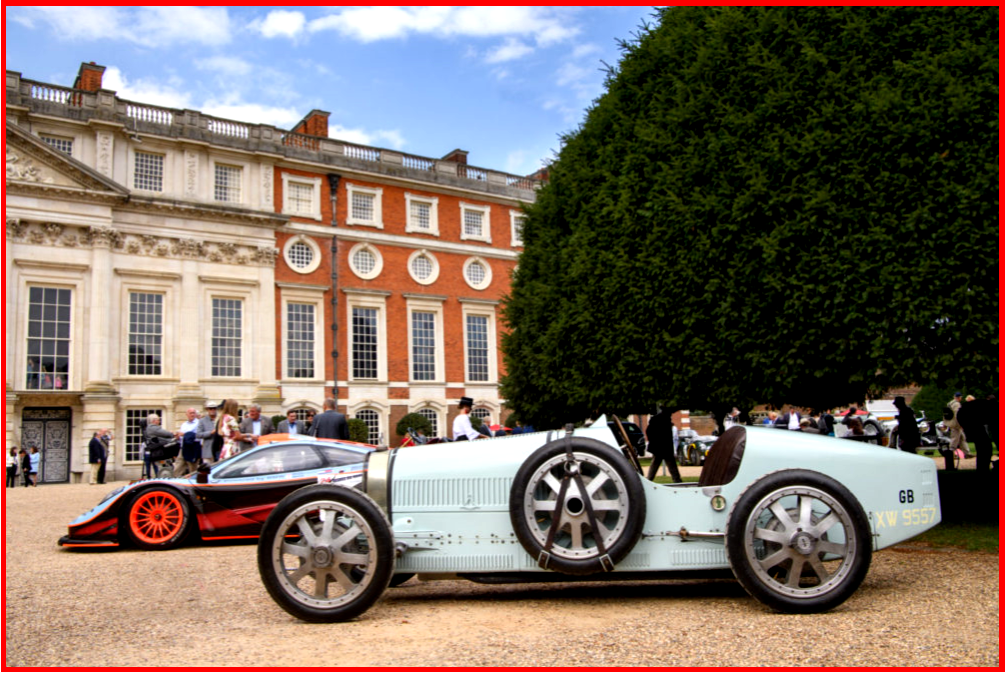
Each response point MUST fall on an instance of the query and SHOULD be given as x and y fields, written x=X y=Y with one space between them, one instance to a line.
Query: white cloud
x=510 y=50
x=282 y=23
x=225 y=65
x=145 y=91
x=368 y=24
x=383 y=138
x=583 y=50
x=253 y=113
x=147 y=26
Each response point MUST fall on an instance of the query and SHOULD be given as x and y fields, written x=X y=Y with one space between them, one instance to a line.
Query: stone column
x=97 y=312
x=189 y=392
x=267 y=393
x=13 y=229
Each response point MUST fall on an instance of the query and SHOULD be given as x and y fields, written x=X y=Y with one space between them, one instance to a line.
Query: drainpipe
x=333 y=180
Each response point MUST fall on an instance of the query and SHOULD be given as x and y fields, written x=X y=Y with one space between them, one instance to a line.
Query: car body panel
x=450 y=503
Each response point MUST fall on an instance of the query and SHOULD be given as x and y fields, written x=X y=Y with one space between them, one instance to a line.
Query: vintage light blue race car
x=795 y=517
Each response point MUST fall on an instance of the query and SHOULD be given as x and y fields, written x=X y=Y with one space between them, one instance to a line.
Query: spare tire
x=578 y=516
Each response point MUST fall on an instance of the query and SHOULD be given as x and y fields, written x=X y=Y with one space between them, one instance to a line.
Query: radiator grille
x=452 y=494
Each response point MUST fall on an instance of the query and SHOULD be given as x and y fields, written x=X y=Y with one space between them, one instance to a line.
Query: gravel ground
x=205 y=606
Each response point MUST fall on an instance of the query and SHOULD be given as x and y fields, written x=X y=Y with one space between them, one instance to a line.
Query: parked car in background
x=875 y=430
x=229 y=501
x=635 y=434
x=692 y=447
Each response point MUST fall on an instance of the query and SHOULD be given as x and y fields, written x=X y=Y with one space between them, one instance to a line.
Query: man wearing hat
x=957 y=438
x=206 y=432
x=462 y=424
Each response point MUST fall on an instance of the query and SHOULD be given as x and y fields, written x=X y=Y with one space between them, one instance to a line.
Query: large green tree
x=768 y=204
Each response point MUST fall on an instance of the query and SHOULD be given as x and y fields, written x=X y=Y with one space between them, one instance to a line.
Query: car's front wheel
x=326 y=553
x=798 y=541
x=157 y=519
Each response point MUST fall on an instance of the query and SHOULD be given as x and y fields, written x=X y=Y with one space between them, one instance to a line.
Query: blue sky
x=500 y=82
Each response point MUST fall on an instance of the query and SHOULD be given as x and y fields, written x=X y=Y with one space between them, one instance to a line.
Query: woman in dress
x=228 y=428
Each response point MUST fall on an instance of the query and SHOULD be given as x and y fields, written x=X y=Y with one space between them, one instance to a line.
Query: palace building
x=157 y=259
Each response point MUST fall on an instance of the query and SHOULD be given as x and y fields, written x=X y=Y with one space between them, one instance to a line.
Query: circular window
x=477 y=273
x=423 y=267
x=365 y=261
x=302 y=254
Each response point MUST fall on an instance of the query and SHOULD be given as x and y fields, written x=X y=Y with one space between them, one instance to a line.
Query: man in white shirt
x=462 y=424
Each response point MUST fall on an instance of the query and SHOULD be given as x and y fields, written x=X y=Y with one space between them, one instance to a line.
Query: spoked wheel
x=577 y=516
x=798 y=541
x=157 y=519
x=326 y=553
x=693 y=455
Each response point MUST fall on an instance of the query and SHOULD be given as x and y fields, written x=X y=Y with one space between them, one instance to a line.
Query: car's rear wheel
x=874 y=430
x=798 y=541
x=157 y=519
x=326 y=553
x=581 y=514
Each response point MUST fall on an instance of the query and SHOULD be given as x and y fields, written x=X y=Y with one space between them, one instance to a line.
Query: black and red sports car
x=231 y=501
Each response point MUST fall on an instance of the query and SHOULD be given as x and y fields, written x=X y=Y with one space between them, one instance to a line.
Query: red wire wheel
x=157 y=519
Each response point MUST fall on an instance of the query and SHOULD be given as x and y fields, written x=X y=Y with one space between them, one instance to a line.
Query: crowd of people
x=23 y=463
x=216 y=433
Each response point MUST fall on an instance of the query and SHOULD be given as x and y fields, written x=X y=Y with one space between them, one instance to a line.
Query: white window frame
x=487 y=310
x=165 y=170
x=486 y=235
x=169 y=345
x=516 y=220
x=243 y=196
x=488 y=273
x=438 y=408
x=434 y=216
x=374 y=300
x=45 y=137
x=378 y=218
x=42 y=275
x=383 y=414
x=314 y=297
x=309 y=242
x=434 y=306
x=314 y=184
x=433 y=276
x=378 y=265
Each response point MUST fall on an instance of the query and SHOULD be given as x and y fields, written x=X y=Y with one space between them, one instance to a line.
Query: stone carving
x=16 y=228
x=267 y=186
x=191 y=174
x=187 y=247
x=56 y=234
x=53 y=231
x=104 y=153
x=102 y=237
x=21 y=168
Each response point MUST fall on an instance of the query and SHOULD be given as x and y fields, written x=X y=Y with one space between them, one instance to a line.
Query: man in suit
x=254 y=426
x=96 y=454
x=291 y=425
x=207 y=433
x=330 y=424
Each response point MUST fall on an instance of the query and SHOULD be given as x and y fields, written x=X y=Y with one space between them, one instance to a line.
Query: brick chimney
x=89 y=77
x=457 y=156
x=314 y=124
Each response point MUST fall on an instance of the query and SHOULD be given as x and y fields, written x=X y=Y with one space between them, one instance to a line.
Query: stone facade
x=157 y=258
